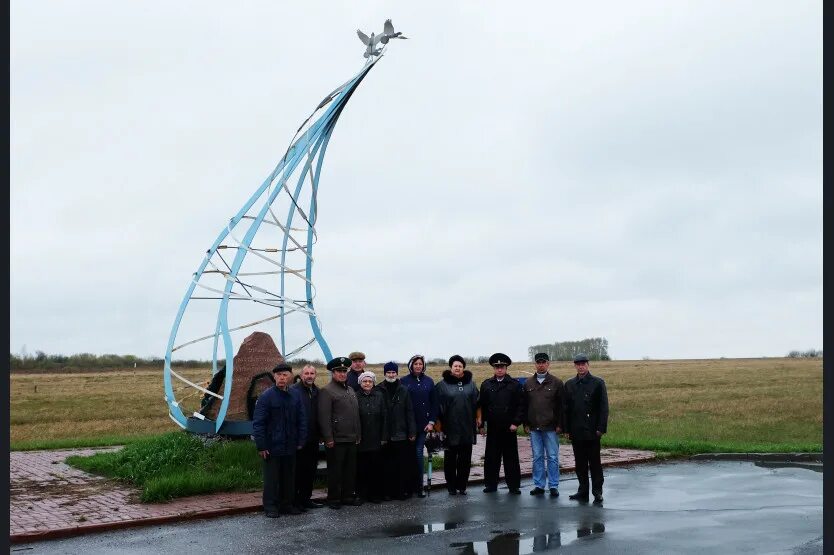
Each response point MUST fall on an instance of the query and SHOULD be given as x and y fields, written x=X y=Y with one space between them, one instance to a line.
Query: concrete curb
x=59 y=533
x=759 y=457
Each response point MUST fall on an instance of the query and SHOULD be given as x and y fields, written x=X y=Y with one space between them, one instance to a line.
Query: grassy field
x=679 y=407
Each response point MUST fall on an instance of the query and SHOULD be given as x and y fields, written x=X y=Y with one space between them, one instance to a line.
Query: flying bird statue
x=388 y=33
x=371 y=43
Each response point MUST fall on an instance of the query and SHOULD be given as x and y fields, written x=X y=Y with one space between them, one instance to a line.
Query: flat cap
x=499 y=358
x=282 y=367
x=581 y=357
x=356 y=355
x=541 y=357
x=338 y=363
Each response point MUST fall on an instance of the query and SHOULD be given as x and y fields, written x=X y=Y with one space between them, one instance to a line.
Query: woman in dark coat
x=424 y=400
x=372 y=415
x=398 y=454
x=458 y=400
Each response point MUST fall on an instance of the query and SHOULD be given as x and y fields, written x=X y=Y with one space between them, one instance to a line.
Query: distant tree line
x=43 y=361
x=595 y=347
x=810 y=353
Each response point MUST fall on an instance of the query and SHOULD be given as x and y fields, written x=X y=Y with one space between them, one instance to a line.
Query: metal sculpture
x=267 y=282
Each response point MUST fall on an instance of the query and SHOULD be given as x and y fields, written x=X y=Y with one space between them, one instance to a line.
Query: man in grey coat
x=341 y=431
x=586 y=419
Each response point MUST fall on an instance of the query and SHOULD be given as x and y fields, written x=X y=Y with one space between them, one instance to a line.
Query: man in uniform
x=308 y=457
x=341 y=431
x=279 y=427
x=586 y=419
x=544 y=395
x=357 y=366
x=501 y=402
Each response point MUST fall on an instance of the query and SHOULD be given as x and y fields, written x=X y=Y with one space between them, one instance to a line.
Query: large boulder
x=253 y=365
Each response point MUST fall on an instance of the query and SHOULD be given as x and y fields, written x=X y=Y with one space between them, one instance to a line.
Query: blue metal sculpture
x=250 y=278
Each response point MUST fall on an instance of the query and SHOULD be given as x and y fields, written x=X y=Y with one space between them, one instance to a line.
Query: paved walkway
x=49 y=499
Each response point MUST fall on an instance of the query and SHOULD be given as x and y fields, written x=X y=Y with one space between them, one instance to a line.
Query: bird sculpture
x=371 y=43
x=388 y=33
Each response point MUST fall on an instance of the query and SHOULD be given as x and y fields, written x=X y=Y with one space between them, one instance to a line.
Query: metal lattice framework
x=261 y=264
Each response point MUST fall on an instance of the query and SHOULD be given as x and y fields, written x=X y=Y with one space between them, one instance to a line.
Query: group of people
x=375 y=433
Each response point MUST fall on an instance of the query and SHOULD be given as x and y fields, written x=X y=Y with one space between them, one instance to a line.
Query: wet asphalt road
x=677 y=507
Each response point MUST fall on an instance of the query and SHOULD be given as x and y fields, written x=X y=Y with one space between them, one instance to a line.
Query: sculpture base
x=234 y=428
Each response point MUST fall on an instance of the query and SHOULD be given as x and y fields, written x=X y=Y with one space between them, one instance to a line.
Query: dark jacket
x=339 y=414
x=400 y=412
x=279 y=424
x=353 y=380
x=501 y=403
x=586 y=407
x=310 y=401
x=373 y=416
x=423 y=399
x=458 y=401
x=545 y=403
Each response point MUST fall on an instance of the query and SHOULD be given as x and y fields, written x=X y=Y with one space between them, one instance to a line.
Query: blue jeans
x=420 y=442
x=545 y=442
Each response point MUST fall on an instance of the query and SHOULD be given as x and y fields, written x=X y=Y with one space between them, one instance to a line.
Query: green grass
x=178 y=464
x=70 y=443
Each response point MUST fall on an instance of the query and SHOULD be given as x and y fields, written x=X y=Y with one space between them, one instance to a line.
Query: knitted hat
x=367 y=374
x=391 y=367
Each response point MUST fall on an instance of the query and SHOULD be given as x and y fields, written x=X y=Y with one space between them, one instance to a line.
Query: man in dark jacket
x=357 y=366
x=502 y=411
x=424 y=400
x=544 y=396
x=398 y=454
x=586 y=419
x=307 y=458
x=341 y=432
x=280 y=429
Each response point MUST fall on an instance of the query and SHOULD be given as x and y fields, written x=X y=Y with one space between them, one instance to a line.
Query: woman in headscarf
x=457 y=397
x=373 y=418
x=398 y=455
x=424 y=400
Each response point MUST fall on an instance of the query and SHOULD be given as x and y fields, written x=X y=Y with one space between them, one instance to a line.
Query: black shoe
x=272 y=514
x=490 y=489
x=554 y=492
x=537 y=491
x=301 y=508
x=420 y=494
x=452 y=492
x=578 y=496
x=598 y=498
x=291 y=510
x=355 y=502
x=313 y=504
x=515 y=492
x=461 y=492
x=335 y=505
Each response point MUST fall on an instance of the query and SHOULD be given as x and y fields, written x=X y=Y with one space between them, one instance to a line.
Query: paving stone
x=48 y=500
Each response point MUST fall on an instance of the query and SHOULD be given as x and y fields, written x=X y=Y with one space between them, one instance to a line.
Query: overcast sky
x=649 y=172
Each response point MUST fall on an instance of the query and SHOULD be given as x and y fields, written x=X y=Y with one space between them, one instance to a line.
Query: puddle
x=415 y=529
x=816 y=467
x=514 y=543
